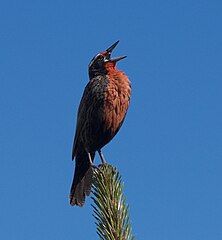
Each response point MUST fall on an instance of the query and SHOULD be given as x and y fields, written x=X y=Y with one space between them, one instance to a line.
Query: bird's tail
x=82 y=180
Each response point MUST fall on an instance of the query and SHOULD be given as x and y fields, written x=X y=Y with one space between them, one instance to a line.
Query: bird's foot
x=94 y=167
x=103 y=160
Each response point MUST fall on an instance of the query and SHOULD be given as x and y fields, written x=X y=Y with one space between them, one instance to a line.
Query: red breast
x=117 y=97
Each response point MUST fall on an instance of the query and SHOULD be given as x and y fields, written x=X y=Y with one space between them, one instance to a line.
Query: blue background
x=169 y=148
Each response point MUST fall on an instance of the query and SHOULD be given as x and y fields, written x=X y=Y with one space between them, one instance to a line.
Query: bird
x=101 y=113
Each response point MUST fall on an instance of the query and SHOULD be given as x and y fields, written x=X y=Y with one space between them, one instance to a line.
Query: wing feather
x=90 y=110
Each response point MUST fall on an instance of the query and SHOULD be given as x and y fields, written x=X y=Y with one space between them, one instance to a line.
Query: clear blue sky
x=169 y=150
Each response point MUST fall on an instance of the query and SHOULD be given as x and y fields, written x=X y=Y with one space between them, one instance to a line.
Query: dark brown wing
x=90 y=112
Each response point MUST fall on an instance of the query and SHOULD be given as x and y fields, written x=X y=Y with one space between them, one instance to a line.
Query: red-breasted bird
x=101 y=113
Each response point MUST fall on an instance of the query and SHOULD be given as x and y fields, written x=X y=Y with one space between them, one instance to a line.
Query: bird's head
x=101 y=62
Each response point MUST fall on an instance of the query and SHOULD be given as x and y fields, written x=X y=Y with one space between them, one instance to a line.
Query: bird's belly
x=116 y=103
x=107 y=120
x=114 y=114
x=105 y=123
x=114 y=111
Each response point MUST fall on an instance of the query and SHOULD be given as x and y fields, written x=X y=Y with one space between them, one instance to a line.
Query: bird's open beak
x=117 y=59
x=109 y=51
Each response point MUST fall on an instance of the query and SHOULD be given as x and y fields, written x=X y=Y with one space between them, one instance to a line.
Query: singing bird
x=101 y=113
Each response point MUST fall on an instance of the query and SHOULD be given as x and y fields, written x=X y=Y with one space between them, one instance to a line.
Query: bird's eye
x=100 y=58
x=97 y=60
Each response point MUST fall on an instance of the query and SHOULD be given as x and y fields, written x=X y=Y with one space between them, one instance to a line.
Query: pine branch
x=110 y=209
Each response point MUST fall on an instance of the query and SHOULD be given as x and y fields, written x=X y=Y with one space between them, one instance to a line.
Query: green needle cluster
x=111 y=211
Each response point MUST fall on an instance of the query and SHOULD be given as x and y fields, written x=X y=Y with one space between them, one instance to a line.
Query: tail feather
x=82 y=181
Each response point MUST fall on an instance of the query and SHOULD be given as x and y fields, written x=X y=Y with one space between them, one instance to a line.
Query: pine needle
x=110 y=209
